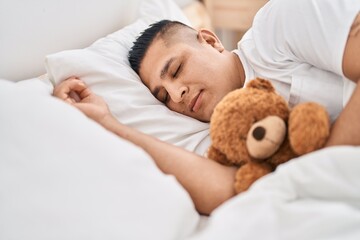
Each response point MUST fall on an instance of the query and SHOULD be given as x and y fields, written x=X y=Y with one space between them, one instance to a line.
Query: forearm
x=208 y=183
x=346 y=129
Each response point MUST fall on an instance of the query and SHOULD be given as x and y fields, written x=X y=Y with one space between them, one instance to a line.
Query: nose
x=177 y=92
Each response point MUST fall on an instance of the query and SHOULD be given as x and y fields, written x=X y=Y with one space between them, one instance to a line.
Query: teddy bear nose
x=259 y=133
x=265 y=137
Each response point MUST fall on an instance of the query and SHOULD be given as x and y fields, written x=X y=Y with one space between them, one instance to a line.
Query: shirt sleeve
x=311 y=31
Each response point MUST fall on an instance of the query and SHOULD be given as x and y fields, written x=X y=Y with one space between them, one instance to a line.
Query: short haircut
x=161 y=29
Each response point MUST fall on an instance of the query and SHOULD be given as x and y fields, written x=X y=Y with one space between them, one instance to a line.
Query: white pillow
x=105 y=68
x=62 y=176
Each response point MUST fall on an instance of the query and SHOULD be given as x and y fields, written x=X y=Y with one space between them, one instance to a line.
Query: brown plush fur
x=307 y=130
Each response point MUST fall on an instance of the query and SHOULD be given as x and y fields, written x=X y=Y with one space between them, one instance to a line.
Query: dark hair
x=142 y=43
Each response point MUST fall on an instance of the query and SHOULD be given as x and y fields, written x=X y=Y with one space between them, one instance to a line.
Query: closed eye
x=164 y=96
x=177 y=71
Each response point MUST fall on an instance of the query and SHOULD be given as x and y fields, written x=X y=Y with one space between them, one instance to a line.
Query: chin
x=203 y=118
x=207 y=117
x=206 y=112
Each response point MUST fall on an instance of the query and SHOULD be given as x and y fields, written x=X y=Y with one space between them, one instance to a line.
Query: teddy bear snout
x=265 y=137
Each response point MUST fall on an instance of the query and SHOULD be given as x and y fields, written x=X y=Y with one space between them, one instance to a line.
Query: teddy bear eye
x=259 y=133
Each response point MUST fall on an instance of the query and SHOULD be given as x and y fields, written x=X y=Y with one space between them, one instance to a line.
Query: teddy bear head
x=249 y=124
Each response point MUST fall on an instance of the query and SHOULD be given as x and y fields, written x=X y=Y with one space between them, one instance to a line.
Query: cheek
x=176 y=107
x=201 y=65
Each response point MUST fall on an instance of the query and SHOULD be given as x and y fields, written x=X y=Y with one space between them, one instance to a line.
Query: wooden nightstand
x=233 y=16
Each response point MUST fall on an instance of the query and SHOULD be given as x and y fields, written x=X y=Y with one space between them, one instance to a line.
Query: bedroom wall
x=29 y=30
x=232 y=18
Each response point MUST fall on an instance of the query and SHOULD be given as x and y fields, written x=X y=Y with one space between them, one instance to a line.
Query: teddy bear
x=254 y=129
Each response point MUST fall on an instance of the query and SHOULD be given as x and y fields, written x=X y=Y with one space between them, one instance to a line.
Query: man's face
x=189 y=78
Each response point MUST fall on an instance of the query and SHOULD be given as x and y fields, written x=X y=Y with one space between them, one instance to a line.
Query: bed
x=62 y=176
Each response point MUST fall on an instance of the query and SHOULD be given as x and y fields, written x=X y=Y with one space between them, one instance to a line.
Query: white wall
x=31 y=29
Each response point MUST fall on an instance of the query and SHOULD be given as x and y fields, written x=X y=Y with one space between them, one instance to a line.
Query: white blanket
x=316 y=196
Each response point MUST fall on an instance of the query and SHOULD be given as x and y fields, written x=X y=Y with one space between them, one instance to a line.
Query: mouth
x=195 y=103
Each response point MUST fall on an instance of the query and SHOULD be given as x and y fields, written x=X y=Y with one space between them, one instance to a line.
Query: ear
x=261 y=84
x=207 y=36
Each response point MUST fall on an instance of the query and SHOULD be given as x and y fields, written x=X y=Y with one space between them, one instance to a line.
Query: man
x=188 y=73
x=305 y=48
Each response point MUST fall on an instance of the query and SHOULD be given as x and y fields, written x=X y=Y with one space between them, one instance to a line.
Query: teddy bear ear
x=261 y=84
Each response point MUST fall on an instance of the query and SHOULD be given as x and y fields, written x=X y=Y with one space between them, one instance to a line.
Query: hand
x=75 y=92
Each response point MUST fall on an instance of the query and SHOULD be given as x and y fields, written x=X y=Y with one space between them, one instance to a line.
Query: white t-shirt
x=298 y=45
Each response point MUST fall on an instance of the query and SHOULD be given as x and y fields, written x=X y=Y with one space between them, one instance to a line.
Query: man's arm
x=346 y=130
x=208 y=182
x=351 y=58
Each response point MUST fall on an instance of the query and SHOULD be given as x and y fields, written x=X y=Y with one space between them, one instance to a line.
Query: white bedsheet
x=314 y=197
x=62 y=176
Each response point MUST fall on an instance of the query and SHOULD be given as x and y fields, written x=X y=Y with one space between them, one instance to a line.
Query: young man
x=305 y=48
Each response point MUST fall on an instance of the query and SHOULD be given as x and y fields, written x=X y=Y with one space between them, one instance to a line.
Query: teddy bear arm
x=309 y=127
x=247 y=174
x=216 y=155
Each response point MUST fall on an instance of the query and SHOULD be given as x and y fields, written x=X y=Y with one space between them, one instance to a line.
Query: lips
x=195 y=103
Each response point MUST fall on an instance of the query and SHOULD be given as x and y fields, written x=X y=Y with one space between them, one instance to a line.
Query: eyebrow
x=164 y=71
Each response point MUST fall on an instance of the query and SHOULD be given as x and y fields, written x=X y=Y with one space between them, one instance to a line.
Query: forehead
x=169 y=45
x=155 y=59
